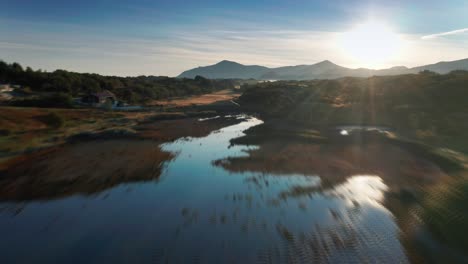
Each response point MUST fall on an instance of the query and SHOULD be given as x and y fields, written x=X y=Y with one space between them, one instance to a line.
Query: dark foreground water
x=199 y=212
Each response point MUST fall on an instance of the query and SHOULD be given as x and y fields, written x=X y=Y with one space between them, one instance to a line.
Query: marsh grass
x=444 y=211
x=53 y=120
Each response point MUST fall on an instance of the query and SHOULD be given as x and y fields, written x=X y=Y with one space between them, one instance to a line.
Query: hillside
x=424 y=106
x=225 y=69
x=321 y=70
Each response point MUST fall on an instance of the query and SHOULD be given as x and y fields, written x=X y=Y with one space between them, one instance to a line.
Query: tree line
x=425 y=105
x=129 y=89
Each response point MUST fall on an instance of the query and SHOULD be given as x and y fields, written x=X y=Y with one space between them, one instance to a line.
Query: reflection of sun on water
x=345 y=224
x=363 y=188
x=372 y=44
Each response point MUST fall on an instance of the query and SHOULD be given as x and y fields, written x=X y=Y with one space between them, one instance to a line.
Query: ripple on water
x=199 y=211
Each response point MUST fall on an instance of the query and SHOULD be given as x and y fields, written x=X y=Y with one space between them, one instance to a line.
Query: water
x=203 y=213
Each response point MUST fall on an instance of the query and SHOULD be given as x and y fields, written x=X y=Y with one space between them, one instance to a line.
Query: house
x=100 y=98
x=6 y=88
x=6 y=92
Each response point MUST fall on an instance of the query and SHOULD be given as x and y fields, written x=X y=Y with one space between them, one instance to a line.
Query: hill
x=322 y=70
x=225 y=69
x=425 y=106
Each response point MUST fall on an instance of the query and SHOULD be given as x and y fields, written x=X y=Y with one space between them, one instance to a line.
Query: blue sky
x=166 y=37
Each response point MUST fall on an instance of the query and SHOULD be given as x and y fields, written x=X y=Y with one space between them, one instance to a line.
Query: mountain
x=445 y=66
x=226 y=70
x=322 y=70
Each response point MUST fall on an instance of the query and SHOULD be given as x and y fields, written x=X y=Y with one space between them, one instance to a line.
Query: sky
x=166 y=37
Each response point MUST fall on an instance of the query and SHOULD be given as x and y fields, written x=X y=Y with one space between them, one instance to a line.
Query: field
x=28 y=129
x=204 y=99
x=396 y=171
x=49 y=153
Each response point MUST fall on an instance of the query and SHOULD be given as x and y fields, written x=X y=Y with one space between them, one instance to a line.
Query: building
x=6 y=88
x=100 y=98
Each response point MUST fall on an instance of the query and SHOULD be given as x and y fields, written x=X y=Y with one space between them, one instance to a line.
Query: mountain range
x=322 y=70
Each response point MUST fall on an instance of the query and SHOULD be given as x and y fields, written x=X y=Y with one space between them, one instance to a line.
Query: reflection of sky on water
x=200 y=212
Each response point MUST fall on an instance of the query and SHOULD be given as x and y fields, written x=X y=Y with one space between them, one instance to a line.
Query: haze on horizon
x=162 y=37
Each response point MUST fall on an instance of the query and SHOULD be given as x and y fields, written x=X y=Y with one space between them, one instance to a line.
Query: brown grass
x=108 y=149
x=83 y=168
x=21 y=119
x=168 y=130
x=334 y=163
x=205 y=99
x=28 y=127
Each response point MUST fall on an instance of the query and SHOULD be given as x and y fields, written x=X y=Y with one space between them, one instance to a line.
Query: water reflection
x=84 y=168
x=345 y=224
x=363 y=189
x=275 y=202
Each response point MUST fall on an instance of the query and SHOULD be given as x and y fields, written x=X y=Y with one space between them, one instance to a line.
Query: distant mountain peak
x=325 y=62
x=228 y=62
x=326 y=69
x=399 y=68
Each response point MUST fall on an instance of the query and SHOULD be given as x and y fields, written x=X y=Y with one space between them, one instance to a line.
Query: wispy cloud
x=151 y=51
x=448 y=33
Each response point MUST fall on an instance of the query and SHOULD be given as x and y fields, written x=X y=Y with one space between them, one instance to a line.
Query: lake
x=217 y=202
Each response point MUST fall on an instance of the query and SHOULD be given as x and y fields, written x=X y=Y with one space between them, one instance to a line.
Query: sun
x=371 y=44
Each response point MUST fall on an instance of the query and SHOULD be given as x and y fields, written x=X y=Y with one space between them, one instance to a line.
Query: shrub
x=5 y=132
x=445 y=211
x=60 y=100
x=53 y=120
x=108 y=105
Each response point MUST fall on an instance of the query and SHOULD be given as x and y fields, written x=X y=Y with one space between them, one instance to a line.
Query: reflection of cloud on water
x=346 y=223
x=214 y=215
x=341 y=224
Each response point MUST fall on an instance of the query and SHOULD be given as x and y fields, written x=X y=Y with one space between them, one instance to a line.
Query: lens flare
x=371 y=44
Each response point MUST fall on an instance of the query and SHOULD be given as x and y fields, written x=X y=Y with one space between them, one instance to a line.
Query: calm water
x=198 y=212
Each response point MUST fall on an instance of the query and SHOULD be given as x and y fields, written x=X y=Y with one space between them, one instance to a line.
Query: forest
x=129 y=89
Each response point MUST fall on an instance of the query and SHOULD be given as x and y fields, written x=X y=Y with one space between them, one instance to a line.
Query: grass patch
x=5 y=132
x=105 y=134
x=446 y=163
x=59 y=100
x=446 y=212
x=52 y=120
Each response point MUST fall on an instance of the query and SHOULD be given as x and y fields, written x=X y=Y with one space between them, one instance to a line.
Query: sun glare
x=371 y=44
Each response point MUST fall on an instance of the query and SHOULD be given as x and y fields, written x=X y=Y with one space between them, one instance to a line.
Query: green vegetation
x=130 y=89
x=5 y=132
x=444 y=209
x=425 y=106
x=53 y=120
x=55 y=100
x=425 y=111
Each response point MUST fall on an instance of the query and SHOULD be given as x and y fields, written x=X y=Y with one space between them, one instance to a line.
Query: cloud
x=448 y=33
x=169 y=52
